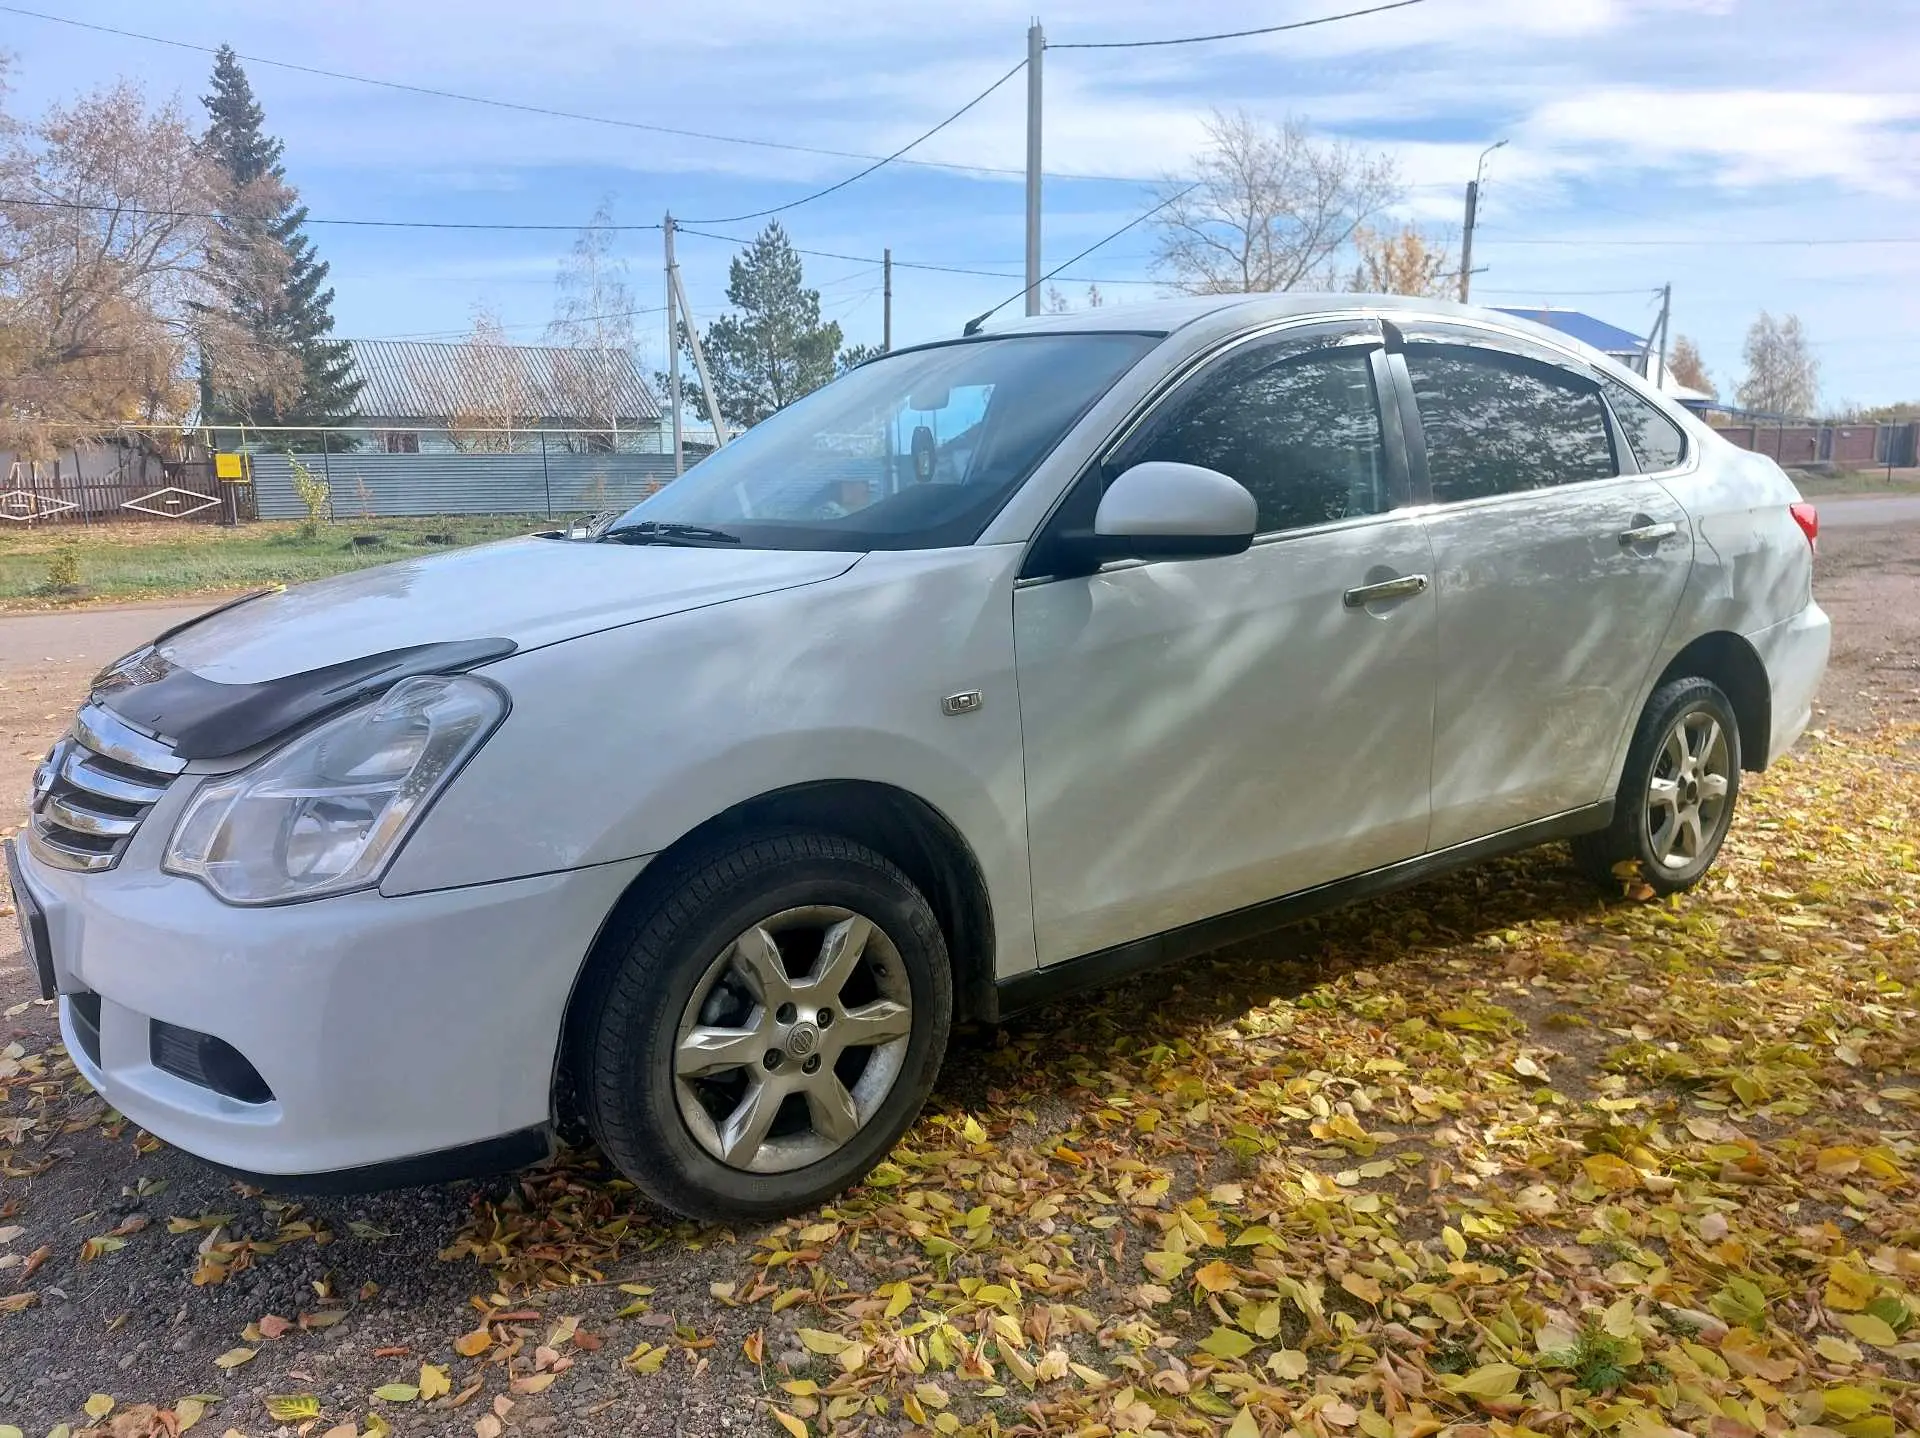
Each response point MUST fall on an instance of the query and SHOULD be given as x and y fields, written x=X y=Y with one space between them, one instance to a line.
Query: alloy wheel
x=792 y=1039
x=1687 y=791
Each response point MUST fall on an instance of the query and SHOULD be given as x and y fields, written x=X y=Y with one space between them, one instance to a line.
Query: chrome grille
x=94 y=789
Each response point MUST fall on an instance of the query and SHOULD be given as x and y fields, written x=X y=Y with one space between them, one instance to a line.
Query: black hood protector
x=204 y=719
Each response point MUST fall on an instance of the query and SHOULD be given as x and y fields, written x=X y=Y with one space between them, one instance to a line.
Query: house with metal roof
x=483 y=398
x=1623 y=345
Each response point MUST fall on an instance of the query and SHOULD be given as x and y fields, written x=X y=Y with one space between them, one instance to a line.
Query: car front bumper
x=390 y=1031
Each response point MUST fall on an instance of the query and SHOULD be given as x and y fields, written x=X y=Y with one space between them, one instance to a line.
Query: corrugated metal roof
x=406 y=379
x=1608 y=339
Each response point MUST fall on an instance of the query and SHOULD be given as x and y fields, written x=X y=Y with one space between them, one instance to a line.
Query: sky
x=1744 y=151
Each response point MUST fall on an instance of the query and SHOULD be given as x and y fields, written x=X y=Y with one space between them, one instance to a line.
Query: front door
x=1557 y=576
x=1203 y=735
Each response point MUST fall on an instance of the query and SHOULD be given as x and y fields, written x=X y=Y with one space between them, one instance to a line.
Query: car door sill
x=1105 y=966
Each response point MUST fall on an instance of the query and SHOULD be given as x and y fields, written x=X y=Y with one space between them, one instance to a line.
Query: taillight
x=1808 y=518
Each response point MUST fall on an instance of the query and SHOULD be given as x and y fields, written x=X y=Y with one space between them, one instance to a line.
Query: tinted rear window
x=1657 y=442
x=1496 y=423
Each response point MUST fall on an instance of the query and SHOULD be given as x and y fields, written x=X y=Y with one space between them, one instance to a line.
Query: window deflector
x=1075 y=509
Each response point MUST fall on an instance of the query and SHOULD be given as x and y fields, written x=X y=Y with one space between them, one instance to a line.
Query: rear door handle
x=1404 y=587
x=1647 y=534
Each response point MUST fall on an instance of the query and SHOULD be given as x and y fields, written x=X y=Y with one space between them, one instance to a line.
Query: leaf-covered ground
x=1493 y=1157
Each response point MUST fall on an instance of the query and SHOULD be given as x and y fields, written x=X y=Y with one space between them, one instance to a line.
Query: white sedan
x=993 y=670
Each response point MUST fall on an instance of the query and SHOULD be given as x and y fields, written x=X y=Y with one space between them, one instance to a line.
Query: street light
x=1473 y=209
x=1479 y=170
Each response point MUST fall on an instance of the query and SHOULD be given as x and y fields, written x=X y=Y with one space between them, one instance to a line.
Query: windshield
x=912 y=451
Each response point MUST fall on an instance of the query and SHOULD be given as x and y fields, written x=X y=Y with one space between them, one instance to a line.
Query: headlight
x=326 y=812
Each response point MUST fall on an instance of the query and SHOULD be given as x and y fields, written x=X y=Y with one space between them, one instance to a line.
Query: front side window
x=1301 y=432
x=1657 y=442
x=917 y=450
x=1497 y=423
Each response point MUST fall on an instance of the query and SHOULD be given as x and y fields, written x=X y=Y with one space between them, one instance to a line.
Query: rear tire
x=1677 y=793
x=759 y=1036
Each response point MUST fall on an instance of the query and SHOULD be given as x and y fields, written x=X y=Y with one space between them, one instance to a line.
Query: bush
x=63 y=570
x=315 y=494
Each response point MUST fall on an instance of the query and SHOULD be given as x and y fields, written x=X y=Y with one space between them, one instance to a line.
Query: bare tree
x=1687 y=368
x=488 y=399
x=593 y=322
x=1403 y=262
x=1273 y=210
x=1783 y=377
x=1053 y=302
x=103 y=238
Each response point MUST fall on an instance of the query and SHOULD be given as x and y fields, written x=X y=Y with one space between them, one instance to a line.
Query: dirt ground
x=149 y=1272
x=1868 y=580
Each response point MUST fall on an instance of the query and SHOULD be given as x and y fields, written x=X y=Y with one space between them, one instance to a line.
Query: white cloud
x=1742 y=138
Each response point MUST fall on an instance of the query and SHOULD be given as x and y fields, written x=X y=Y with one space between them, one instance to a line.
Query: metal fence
x=374 y=485
x=1844 y=446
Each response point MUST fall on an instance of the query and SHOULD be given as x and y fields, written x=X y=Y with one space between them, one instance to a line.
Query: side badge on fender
x=967 y=701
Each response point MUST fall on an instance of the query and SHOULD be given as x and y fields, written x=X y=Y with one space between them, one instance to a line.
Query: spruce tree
x=271 y=280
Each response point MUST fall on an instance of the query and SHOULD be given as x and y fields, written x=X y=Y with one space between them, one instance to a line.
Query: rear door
x=1557 y=565
x=1203 y=735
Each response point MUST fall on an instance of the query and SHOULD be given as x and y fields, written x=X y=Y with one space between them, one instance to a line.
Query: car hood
x=531 y=592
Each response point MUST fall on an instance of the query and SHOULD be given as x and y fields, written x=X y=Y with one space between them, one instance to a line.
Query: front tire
x=1677 y=792
x=760 y=1036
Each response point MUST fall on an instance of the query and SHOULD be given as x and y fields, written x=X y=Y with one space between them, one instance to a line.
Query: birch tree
x=1274 y=208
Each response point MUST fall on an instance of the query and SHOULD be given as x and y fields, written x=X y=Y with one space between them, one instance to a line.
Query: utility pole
x=886 y=301
x=1473 y=213
x=1666 y=310
x=700 y=361
x=673 y=354
x=679 y=312
x=1657 y=334
x=1036 y=48
x=1466 y=240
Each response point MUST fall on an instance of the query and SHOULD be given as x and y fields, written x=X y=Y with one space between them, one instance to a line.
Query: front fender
x=621 y=742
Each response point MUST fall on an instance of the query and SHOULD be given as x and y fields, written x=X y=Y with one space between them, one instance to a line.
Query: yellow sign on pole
x=230 y=466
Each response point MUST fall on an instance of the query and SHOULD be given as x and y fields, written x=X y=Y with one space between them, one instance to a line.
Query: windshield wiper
x=656 y=531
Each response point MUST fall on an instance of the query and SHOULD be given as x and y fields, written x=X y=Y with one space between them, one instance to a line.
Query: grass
x=1856 y=481
x=147 y=561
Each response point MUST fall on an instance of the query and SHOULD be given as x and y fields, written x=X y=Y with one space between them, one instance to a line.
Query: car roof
x=1165 y=316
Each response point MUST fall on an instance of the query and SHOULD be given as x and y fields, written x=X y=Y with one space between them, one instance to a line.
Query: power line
x=548 y=111
x=486 y=225
x=430 y=335
x=973 y=325
x=900 y=264
x=1228 y=34
x=877 y=164
x=1614 y=243
x=309 y=220
x=1562 y=294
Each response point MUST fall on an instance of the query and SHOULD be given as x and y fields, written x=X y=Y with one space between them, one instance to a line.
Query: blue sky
x=1650 y=141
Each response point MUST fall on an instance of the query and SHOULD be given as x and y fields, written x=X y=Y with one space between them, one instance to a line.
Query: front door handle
x=1404 y=587
x=1647 y=534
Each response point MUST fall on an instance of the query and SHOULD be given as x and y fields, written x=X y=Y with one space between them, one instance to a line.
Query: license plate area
x=34 y=940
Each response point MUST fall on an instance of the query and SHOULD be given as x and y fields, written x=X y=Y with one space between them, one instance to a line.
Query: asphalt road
x=1856 y=511
x=86 y=636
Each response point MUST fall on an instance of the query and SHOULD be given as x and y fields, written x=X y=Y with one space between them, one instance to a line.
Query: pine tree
x=270 y=279
x=776 y=347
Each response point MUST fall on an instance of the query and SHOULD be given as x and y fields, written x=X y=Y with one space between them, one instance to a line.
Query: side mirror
x=1162 y=510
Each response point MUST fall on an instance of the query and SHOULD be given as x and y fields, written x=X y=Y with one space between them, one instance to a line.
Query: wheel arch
x=1730 y=662
x=900 y=825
